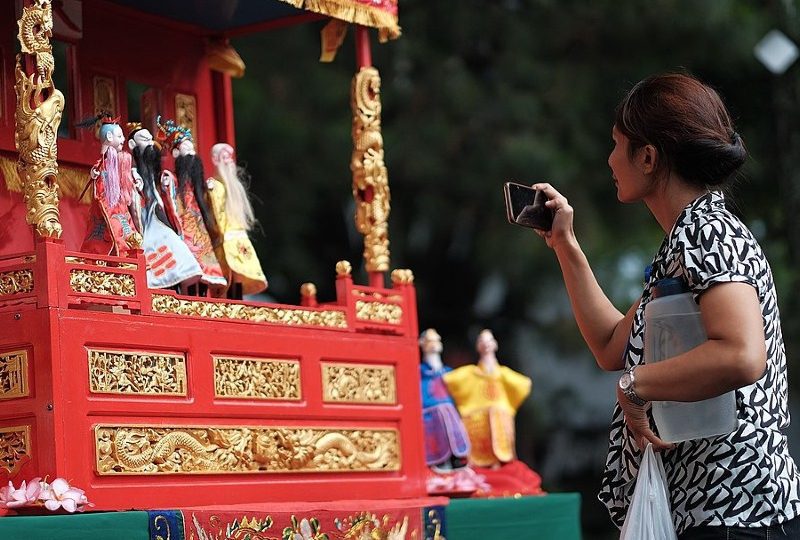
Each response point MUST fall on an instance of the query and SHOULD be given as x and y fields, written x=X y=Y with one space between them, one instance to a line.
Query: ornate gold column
x=370 y=178
x=38 y=114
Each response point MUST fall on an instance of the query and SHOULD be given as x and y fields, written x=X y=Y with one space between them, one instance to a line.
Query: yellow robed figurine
x=234 y=215
x=487 y=396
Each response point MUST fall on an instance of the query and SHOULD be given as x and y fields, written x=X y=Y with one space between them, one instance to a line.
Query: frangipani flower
x=59 y=494
x=26 y=495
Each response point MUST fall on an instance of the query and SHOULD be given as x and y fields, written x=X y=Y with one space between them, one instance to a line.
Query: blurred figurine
x=488 y=396
x=446 y=441
x=233 y=214
x=112 y=228
x=169 y=261
x=185 y=197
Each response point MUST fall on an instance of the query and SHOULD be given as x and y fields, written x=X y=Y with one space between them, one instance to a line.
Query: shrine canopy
x=237 y=17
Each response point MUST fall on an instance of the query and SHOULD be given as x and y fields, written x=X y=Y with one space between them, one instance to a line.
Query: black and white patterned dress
x=746 y=478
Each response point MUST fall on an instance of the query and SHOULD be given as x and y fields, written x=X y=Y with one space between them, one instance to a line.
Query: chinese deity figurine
x=185 y=196
x=169 y=261
x=446 y=441
x=112 y=227
x=234 y=217
x=488 y=396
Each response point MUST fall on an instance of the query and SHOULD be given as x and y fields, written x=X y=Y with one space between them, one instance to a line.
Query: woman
x=674 y=146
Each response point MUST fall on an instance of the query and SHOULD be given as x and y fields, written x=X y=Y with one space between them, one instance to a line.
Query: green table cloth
x=98 y=526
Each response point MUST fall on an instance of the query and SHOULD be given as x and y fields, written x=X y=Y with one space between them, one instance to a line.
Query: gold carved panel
x=15 y=447
x=256 y=378
x=16 y=282
x=381 y=312
x=156 y=450
x=105 y=283
x=186 y=112
x=137 y=373
x=105 y=95
x=163 y=303
x=358 y=383
x=14 y=374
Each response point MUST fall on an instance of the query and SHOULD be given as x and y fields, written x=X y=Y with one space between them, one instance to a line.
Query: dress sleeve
x=517 y=386
x=718 y=248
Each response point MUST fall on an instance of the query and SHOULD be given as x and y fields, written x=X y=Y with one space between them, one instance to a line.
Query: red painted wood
x=363 y=51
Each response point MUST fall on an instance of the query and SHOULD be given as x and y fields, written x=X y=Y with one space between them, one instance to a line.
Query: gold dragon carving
x=16 y=282
x=140 y=373
x=14 y=374
x=354 y=383
x=15 y=447
x=256 y=378
x=202 y=450
x=38 y=114
x=370 y=177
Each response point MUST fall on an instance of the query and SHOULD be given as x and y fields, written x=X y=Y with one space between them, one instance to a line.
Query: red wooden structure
x=150 y=399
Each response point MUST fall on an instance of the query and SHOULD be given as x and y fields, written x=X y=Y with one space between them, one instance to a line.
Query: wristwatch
x=626 y=384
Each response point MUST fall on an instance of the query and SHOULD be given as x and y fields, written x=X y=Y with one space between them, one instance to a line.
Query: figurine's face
x=115 y=138
x=222 y=154
x=486 y=343
x=431 y=342
x=142 y=139
x=186 y=148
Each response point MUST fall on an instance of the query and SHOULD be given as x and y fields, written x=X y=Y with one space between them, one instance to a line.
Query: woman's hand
x=638 y=423
x=561 y=231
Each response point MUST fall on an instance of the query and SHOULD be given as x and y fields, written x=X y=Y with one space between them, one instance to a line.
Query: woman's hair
x=688 y=124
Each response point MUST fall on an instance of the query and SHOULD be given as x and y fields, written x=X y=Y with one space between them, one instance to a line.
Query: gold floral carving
x=402 y=276
x=163 y=303
x=105 y=95
x=153 y=450
x=358 y=383
x=379 y=312
x=15 y=447
x=38 y=114
x=370 y=177
x=186 y=112
x=367 y=526
x=256 y=378
x=16 y=282
x=71 y=180
x=308 y=290
x=140 y=373
x=104 y=283
x=14 y=374
x=100 y=262
x=344 y=268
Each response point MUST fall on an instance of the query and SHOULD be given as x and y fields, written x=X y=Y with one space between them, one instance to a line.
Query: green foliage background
x=478 y=92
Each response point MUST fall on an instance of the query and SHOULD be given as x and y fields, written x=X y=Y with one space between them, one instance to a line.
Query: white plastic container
x=672 y=325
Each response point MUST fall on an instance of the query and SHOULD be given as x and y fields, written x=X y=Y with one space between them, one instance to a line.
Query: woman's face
x=628 y=173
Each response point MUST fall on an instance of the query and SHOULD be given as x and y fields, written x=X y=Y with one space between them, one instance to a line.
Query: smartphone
x=525 y=207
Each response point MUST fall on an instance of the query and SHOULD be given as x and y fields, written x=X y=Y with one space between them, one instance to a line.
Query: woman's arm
x=604 y=328
x=734 y=356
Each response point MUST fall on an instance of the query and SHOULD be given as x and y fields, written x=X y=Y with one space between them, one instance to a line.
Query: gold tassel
x=354 y=12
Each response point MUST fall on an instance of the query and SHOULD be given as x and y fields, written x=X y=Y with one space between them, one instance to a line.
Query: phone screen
x=525 y=207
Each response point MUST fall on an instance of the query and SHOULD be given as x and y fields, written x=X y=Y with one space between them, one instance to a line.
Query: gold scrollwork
x=14 y=374
x=256 y=378
x=379 y=312
x=140 y=373
x=105 y=283
x=15 y=447
x=105 y=95
x=38 y=114
x=402 y=276
x=153 y=450
x=358 y=383
x=16 y=282
x=100 y=262
x=328 y=318
x=368 y=525
x=370 y=177
x=186 y=112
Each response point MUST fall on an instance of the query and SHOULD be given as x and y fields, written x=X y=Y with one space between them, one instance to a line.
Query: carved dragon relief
x=370 y=177
x=38 y=115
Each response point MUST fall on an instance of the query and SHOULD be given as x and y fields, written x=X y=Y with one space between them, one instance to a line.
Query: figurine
x=186 y=198
x=487 y=396
x=169 y=261
x=112 y=228
x=233 y=214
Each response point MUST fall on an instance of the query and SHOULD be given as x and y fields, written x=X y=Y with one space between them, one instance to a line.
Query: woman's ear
x=648 y=157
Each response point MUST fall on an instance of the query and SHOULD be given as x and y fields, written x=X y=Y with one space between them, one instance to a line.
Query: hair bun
x=711 y=162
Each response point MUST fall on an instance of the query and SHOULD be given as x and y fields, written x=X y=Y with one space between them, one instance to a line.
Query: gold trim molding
x=15 y=447
x=14 y=374
x=358 y=383
x=163 y=303
x=105 y=283
x=158 y=450
x=16 y=282
x=256 y=378
x=370 y=176
x=379 y=312
x=136 y=373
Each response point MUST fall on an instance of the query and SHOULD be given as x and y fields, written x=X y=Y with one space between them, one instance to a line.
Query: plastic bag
x=648 y=516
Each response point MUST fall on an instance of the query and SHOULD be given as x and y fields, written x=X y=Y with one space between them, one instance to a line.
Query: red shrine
x=146 y=398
